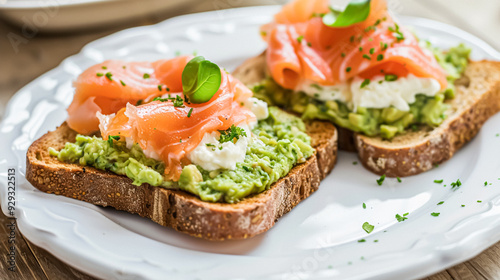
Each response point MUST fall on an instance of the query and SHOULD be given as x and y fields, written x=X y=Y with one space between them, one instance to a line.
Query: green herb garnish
x=441 y=202
x=228 y=135
x=201 y=79
x=381 y=180
x=380 y=57
x=99 y=74
x=438 y=181
x=355 y=12
x=111 y=138
x=399 y=179
x=122 y=82
x=364 y=205
x=435 y=214
x=365 y=83
x=146 y=76
x=456 y=185
x=390 y=78
x=109 y=75
x=300 y=38
x=190 y=112
x=401 y=218
x=397 y=33
x=348 y=69
x=178 y=101
x=368 y=228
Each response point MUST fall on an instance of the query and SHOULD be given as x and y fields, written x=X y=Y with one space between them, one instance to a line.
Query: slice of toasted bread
x=177 y=209
x=477 y=99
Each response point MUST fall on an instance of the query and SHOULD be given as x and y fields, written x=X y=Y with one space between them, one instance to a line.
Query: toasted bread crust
x=177 y=209
x=477 y=99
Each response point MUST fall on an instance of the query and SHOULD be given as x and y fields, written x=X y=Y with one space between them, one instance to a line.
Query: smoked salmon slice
x=109 y=86
x=302 y=48
x=173 y=131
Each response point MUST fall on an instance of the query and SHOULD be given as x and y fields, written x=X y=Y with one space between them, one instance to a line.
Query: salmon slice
x=173 y=132
x=109 y=86
x=301 y=47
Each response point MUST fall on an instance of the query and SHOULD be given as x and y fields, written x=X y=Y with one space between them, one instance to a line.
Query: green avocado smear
x=280 y=143
x=386 y=122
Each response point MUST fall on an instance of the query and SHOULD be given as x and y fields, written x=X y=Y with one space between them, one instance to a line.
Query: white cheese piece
x=340 y=92
x=382 y=94
x=258 y=107
x=220 y=156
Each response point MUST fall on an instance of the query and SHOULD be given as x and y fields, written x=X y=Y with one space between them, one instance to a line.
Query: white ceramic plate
x=69 y=15
x=318 y=239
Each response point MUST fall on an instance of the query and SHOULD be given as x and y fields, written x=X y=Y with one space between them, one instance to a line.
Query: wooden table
x=46 y=51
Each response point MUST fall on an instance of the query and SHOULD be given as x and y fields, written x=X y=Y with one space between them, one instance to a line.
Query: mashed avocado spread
x=386 y=122
x=280 y=143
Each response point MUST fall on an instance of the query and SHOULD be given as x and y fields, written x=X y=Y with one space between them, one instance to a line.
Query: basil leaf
x=330 y=18
x=356 y=12
x=201 y=79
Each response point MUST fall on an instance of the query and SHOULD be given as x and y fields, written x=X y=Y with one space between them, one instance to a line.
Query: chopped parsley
x=399 y=179
x=146 y=76
x=309 y=44
x=139 y=102
x=364 y=205
x=441 y=202
x=456 y=185
x=463 y=205
x=401 y=218
x=372 y=50
x=375 y=241
x=342 y=54
x=396 y=32
x=390 y=78
x=367 y=57
x=99 y=74
x=438 y=181
x=111 y=138
x=435 y=214
x=300 y=38
x=190 y=112
x=231 y=133
x=109 y=75
x=479 y=201
x=348 y=69
x=178 y=102
x=365 y=83
x=367 y=227
x=381 y=180
x=361 y=241
x=360 y=49
x=383 y=46
x=122 y=82
x=104 y=67
x=354 y=163
x=485 y=183
x=380 y=57
x=159 y=87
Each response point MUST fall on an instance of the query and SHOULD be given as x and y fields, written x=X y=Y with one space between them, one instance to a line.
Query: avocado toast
x=161 y=158
x=402 y=104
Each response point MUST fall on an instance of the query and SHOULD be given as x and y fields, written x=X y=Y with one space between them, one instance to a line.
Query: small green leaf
x=201 y=79
x=367 y=227
x=356 y=12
